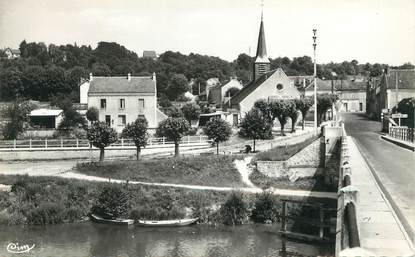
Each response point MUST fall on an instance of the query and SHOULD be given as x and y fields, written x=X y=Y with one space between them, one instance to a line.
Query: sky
x=381 y=31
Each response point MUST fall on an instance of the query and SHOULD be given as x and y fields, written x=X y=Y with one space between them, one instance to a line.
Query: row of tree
x=45 y=71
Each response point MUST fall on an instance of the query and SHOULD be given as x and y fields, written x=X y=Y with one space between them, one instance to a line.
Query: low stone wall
x=273 y=168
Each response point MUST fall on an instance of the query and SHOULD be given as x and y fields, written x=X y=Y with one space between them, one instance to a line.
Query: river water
x=89 y=239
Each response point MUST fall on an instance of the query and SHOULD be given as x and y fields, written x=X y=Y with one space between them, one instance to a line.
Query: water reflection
x=87 y=239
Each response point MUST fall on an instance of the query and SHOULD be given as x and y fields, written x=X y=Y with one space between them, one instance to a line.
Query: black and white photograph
x=207 y=128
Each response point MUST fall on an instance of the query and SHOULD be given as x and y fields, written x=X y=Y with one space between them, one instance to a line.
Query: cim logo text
x=16 y=248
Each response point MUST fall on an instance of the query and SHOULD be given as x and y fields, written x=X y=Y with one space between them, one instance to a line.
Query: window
x=280 y=87
x=122 y=103
x=122 y=120
x=103 y=103
x=140 y=103
x=108 y=120
x=360 y=106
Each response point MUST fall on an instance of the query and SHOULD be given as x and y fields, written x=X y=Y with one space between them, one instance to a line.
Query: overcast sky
x=366 y=30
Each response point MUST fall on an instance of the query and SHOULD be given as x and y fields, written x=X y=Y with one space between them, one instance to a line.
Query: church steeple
x=262 y=63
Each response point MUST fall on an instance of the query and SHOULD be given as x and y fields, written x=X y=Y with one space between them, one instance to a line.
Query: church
x=266 y=84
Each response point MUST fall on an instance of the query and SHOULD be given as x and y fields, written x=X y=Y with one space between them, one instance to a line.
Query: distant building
x=219 y=94
x=45 y=118
x=120 y=100
x=387 y=91
x=12 y=53
x=150 y=54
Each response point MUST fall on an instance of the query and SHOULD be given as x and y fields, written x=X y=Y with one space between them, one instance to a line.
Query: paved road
x=395 y=166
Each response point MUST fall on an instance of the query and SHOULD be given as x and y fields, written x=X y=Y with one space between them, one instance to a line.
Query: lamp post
x=315 y=80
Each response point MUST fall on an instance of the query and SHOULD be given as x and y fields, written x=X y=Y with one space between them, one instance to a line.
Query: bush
x=234 y=211
x=112 y=202
x=46 y=213
x=266 y=208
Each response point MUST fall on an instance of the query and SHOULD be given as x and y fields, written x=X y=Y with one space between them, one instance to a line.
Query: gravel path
x=245 y=170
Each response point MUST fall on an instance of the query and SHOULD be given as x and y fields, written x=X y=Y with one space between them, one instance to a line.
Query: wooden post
x=200 y=139
x=164 y=140
x=284 y=220
x=321 y=234
x=77 y=143
x=46 y=143
x=61 y=143
x=14 y=143
x=188 y=139
x=30 y=143
x=122 y=142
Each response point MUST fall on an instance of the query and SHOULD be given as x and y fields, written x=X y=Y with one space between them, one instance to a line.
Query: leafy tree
x=138 y=132
x=71 y=119
x=18 y=112
x=112 y=202
x=256 y=126
x=304 y=104
x=191 y=111
x=266 y=208
x=324 y=103
x=232 y=91
x=177 y=86
x=280 y=109
x=173 y=129
x=92 y=114
x=164 y=101
x=218 y=130
x=234 y=211
x=100 y=69
x=264 y=107
x=407 y=106
x=11 y=84
x=101 y=135
x=293 y=112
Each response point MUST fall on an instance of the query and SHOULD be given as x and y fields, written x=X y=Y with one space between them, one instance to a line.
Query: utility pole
x=315 y=80
x=396 y=88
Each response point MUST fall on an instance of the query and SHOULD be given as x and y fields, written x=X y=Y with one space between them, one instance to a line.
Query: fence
x=402 y=133
x=84 y=143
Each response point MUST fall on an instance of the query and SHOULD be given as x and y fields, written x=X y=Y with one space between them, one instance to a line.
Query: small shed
x=46 y=118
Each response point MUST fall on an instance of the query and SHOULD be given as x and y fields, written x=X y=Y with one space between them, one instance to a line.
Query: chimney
x=129 y=76
x=154 y=76
x=91 y=77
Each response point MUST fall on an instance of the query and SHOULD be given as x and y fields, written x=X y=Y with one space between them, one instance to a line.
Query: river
x=89 y=239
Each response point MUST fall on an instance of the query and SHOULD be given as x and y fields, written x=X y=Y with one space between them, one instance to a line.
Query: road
x=393 y=165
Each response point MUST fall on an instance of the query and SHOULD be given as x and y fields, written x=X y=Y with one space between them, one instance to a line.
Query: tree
x=177 y=86
x=234 y=211
x=101 y=135
x=138 y=132
x=218 y=130
x=280 y=109
x=266 y=208
x=173 y=129
x=92 y=114
x=191 y=111
x=292 y=112
x=407 y=106
x=304 y=104
x=11 y=84
x=71 y=119
x=112 y=202
x=232 y=91
x=18 y=113
x=256 y=126
x=324 y=103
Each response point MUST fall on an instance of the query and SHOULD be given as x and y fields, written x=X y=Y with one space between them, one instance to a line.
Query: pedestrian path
x=380 y=230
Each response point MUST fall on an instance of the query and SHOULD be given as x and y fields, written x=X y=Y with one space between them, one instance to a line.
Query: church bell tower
x=262 y=64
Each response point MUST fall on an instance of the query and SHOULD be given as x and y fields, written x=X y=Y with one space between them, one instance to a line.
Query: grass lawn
x=216 y=170
x=282 y=153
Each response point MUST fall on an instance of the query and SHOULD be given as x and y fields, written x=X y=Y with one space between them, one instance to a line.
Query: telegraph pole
x=315 y=80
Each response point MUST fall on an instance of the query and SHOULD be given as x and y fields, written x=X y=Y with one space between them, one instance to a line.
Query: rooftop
x=404 y=78
x=122 y=85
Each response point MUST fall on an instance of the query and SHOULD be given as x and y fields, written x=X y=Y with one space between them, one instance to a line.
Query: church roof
x=261 y=52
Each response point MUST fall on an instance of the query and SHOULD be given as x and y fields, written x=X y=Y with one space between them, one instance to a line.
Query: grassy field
x=282 y=153
x=200 y=170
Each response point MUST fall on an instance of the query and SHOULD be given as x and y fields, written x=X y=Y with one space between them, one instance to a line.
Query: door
x=108 y=120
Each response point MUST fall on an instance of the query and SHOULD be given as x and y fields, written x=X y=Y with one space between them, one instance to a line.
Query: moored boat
x=167 y=223
x=99 y=219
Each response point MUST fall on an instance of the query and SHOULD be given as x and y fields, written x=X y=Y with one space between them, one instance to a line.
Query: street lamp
x=315 y=80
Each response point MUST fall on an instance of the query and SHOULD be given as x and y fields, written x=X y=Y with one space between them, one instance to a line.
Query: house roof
x=122 y=85
x=14 y=51
x=45 y=112
x=404 y=78
x=323 y=85
x=150 y=54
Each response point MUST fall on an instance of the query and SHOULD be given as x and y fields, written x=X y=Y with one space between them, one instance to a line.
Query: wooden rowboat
x=98 y=219
x=166 y=223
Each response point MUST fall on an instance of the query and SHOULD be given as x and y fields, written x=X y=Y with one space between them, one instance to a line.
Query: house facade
x=12 y=53
x=385 y=93
x=120 y=100
x=218 y=94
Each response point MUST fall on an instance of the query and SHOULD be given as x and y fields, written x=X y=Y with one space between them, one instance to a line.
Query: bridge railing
x=402 y=133
x=84 y=143
x=347 y=231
